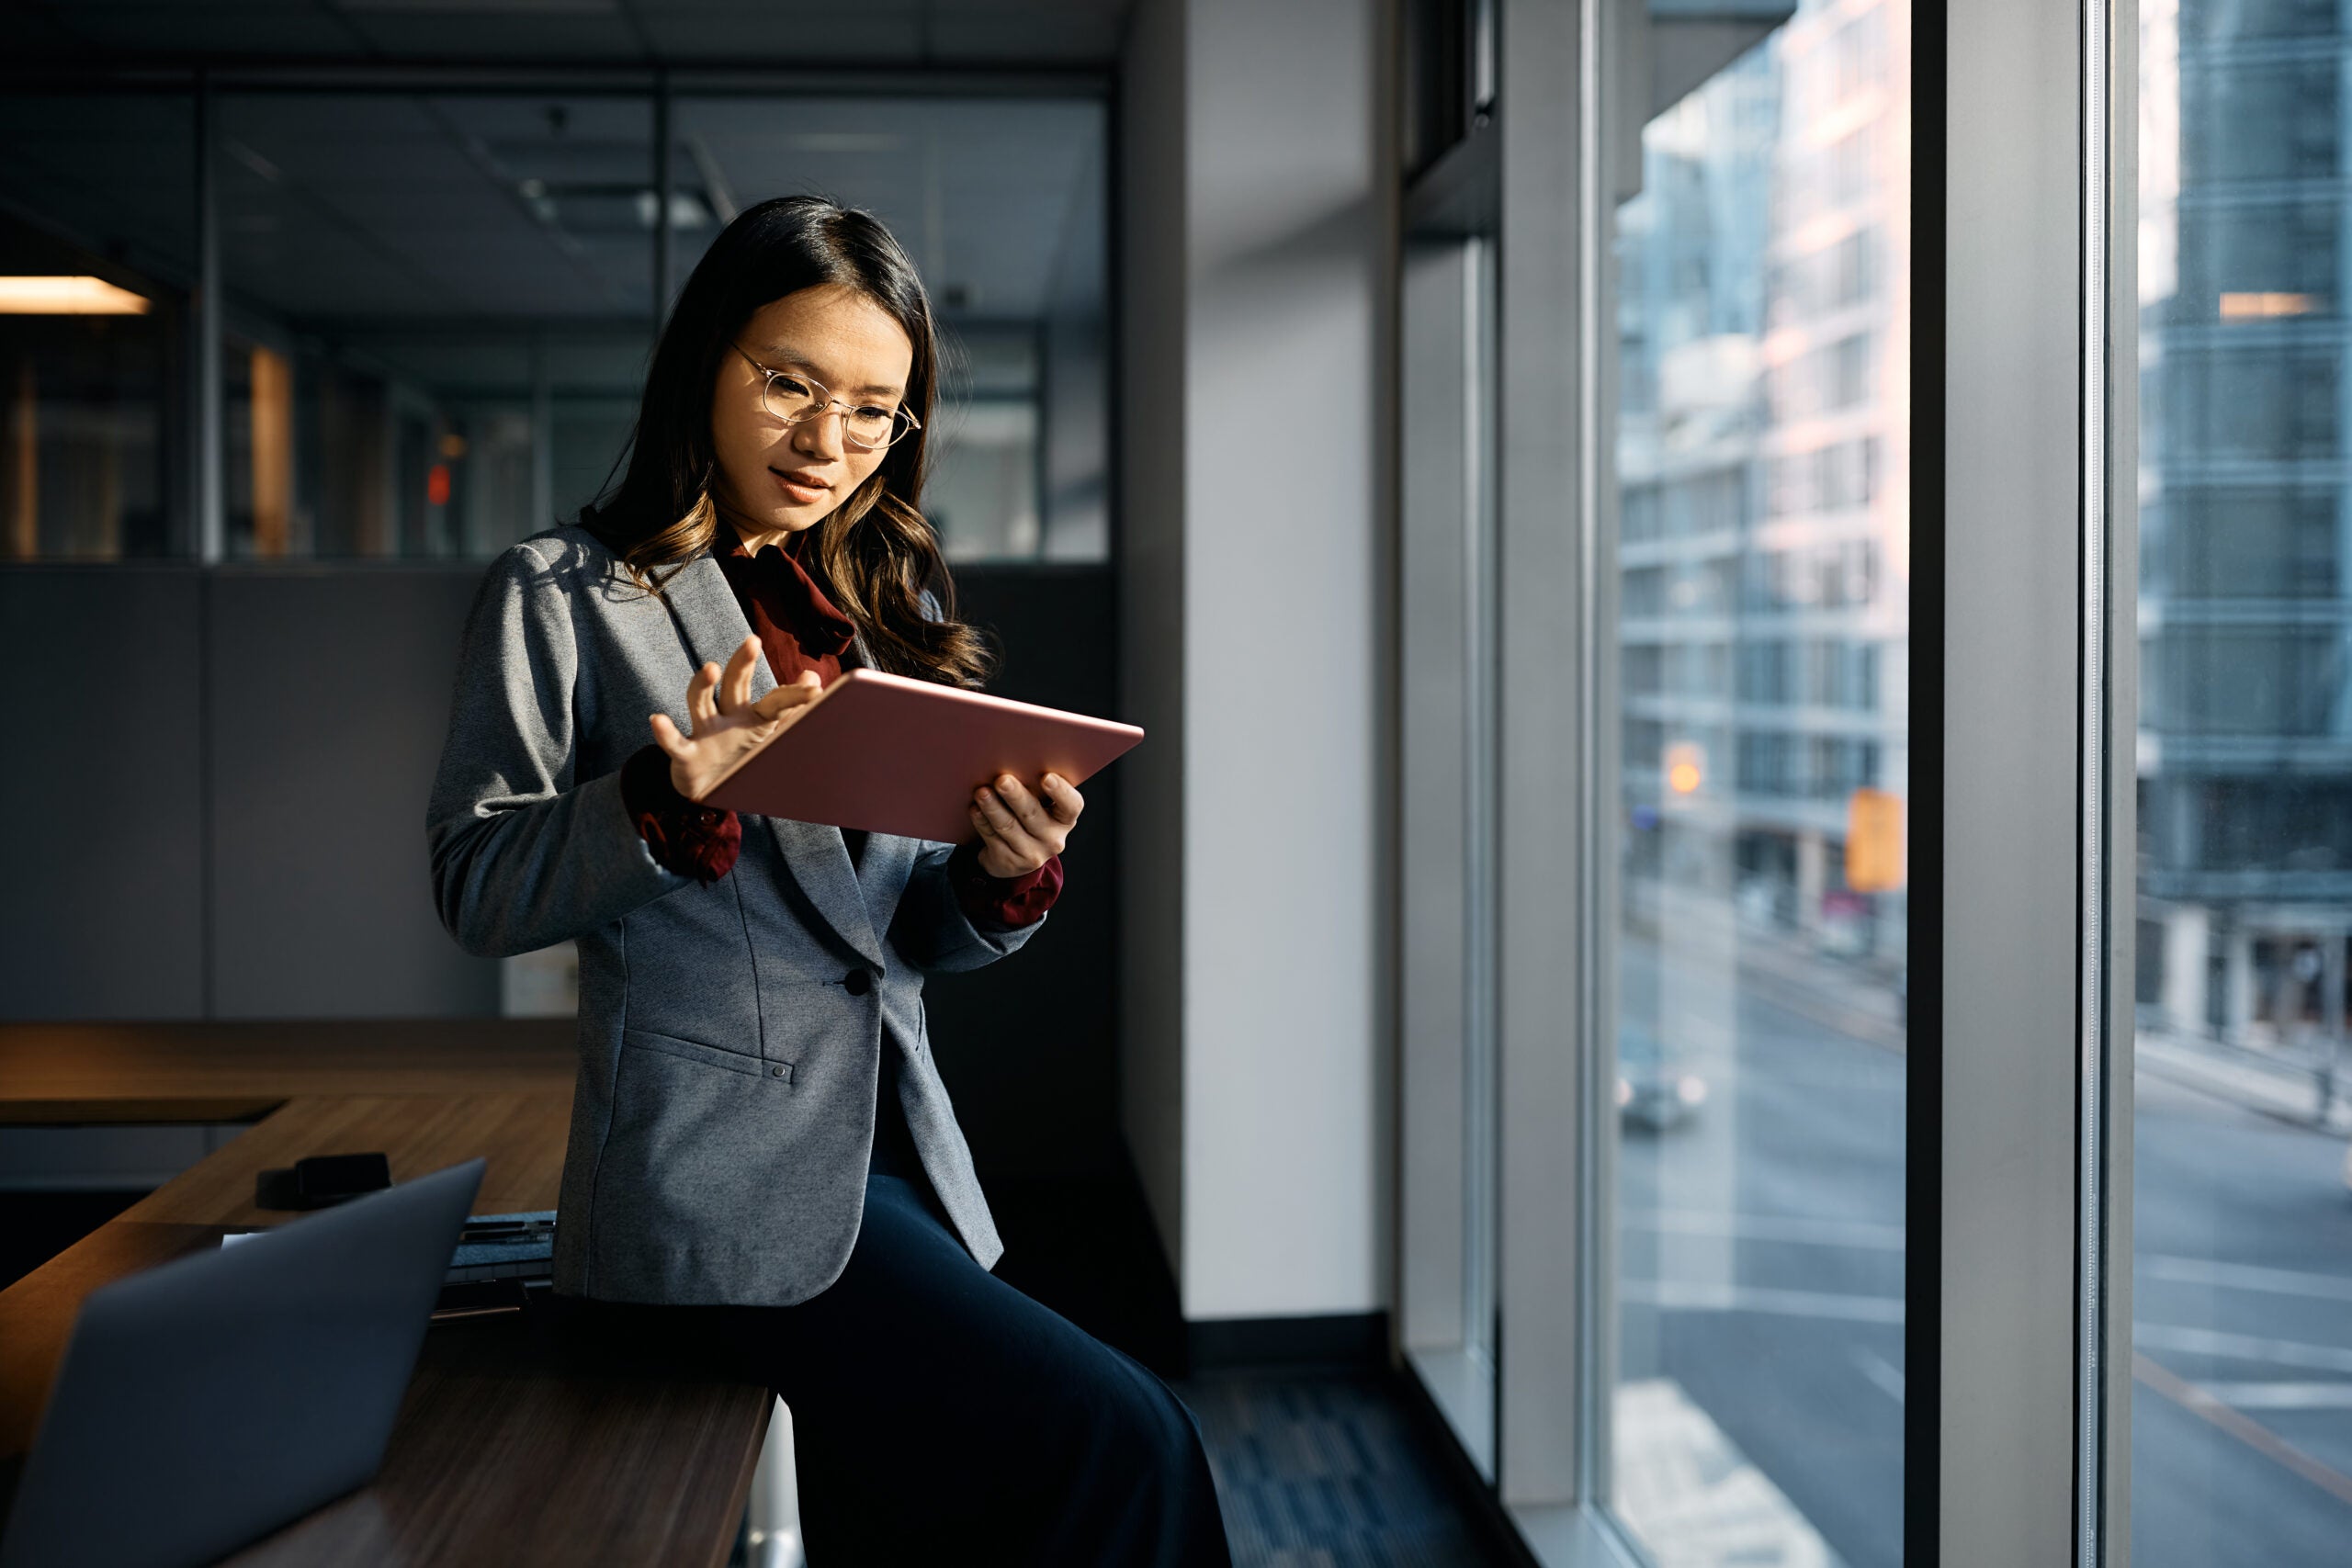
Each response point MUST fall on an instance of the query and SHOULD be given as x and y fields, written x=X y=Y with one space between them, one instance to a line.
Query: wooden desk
x=505 y=1451
x=233 y=1072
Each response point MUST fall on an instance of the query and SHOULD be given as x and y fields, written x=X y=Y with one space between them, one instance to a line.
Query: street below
x=1761 y=1261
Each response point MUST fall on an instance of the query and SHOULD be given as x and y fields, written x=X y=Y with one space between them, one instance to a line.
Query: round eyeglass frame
x=902 y=420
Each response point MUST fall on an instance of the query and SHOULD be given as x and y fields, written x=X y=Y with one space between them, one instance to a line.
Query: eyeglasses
x=793 y=398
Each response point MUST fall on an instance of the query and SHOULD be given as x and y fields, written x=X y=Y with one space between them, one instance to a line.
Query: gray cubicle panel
x=101 y=912
x=329 y=691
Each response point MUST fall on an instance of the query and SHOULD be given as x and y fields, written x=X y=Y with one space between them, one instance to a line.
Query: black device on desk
x=204 y=1404
x=321 y=1181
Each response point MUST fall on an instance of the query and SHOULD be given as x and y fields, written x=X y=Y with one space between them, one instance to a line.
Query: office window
x=2242 y=1309
x=2280 y=401
x=1823 y=479
x=1828 y=379
x=2245 y=258
x=1841 y=672
x=85 y=470
x=1821 y=179
x=1759 y=949
x=1765 y=672
x=1003 y=204
x=441 y=309
x=983 y=494
x=1638 y=514
x=98 y=207
x=2202 y=542
x=1814 y=283
x=2265 y=117
x=2250 y=21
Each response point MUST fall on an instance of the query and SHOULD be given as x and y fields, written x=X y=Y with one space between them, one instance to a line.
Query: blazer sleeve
x=932 y=927
x=524 y=855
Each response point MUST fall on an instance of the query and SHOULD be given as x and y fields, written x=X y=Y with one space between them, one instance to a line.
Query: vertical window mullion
x=2013 y=694
x=2120 y=797
x=1544 y=795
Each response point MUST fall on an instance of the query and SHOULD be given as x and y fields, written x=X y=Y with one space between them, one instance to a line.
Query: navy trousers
x=940 y=1415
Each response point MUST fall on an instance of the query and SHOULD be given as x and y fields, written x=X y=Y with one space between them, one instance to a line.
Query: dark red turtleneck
x=798 y=628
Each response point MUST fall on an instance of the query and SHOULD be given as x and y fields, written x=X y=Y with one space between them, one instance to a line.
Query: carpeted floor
x=1316 y=1466
x=1324 y=1469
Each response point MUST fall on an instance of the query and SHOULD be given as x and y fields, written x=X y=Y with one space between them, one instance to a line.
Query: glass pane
x=2242 y=1412
x=97 y=254
x=1762 y=613
x=1001 y=204
x=440 y=309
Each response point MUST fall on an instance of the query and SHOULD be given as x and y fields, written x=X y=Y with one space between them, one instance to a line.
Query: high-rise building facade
x=2246 y=614
x=1764 y=538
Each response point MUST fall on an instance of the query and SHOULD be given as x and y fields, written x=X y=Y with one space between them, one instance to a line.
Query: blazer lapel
x=703 y=604
x=711 y=623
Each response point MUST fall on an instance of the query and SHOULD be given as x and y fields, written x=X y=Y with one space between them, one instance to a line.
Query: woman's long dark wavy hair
x=874 y=555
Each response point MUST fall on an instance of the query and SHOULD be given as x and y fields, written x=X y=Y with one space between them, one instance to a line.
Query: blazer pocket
x=710 y=1055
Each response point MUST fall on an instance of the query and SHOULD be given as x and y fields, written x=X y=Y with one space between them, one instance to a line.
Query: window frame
x=2023 y=701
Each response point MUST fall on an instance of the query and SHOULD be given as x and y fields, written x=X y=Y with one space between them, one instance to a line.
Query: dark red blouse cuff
x=691 y=839
x=1002 y=902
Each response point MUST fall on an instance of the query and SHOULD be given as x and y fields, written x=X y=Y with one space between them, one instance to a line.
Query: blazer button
x=857 y=982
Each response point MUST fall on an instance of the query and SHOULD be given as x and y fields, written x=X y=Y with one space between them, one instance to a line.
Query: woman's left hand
x=1019 y=832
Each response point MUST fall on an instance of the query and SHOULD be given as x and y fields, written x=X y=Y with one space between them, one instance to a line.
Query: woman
x=765 y=1177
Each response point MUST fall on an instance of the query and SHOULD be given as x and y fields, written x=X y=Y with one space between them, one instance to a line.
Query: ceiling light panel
x=68 y=296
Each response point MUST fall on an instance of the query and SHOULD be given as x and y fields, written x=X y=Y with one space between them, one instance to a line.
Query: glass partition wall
x=432 y=309
x=2241 y=1344
x=439 y=312
x=94 y=325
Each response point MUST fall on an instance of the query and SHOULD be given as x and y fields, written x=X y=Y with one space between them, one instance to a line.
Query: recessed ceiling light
x=68 y=296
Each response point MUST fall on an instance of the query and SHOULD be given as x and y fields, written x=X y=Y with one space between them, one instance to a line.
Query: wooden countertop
x=232 y=1072
x=507 y=1450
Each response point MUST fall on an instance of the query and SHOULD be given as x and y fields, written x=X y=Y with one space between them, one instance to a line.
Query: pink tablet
x=894 y=755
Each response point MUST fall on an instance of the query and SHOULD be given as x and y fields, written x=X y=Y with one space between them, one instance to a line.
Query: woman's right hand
x=727 y=724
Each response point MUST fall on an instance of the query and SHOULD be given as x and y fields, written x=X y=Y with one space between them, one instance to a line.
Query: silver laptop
x=204 y=1404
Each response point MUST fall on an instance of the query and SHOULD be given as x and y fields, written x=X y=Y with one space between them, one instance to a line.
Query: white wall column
x=1254 y=201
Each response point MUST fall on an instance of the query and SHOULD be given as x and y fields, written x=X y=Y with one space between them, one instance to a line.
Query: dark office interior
x=1730 y=939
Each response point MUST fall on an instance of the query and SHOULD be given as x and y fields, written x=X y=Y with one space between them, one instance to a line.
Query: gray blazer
x=730 y=1036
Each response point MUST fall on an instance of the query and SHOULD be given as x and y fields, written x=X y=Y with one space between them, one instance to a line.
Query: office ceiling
x=429 y=228
x=764 y=33
x=397 y=204
x=356 y=208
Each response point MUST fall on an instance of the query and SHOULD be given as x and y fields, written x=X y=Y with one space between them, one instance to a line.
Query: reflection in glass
x=84 y=472
x=1001 y=203
x=1762 y=621
x=439 y=312
x=439 y=306
x=2241 y=1422
x=100 y=188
